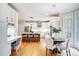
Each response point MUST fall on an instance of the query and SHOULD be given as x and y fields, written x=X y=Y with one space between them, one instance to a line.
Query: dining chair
x=49 y=43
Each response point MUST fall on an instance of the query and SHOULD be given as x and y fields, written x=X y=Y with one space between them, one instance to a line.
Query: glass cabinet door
x=76 y=28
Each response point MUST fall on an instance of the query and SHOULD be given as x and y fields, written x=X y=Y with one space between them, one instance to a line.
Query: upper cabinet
x=11 y=17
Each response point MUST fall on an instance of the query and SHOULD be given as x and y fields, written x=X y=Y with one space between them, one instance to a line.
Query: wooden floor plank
x=32 y=49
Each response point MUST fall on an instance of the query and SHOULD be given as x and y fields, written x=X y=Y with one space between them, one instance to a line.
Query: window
x=71 y=27
x=67 y=26
x=76 y=34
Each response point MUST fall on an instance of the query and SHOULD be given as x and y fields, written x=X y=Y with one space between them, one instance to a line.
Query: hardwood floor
x=32 y=49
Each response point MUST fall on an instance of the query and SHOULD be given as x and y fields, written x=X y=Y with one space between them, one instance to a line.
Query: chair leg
x=67 y=52
x=46 y=51
x=16 y=51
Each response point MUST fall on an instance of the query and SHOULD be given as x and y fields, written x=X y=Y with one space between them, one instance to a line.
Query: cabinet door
x=10 y=16
x=76 y=28
x=9 y=49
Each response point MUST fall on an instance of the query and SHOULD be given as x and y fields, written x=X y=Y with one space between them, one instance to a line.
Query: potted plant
x=56 y=31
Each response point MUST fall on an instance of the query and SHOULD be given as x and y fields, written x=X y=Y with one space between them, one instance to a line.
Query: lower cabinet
x=9 y=49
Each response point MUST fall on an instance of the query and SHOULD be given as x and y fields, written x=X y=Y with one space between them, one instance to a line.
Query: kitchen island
x=31 y=37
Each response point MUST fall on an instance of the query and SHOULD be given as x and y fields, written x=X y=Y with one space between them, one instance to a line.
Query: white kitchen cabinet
x=7 y=15
x=11 y=15
x=9 y=49
x=14 y=19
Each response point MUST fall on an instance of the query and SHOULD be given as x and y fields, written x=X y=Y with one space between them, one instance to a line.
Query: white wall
x=57 y=22
x=20 y=27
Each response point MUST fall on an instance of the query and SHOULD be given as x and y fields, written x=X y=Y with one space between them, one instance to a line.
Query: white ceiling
x=43 y=10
